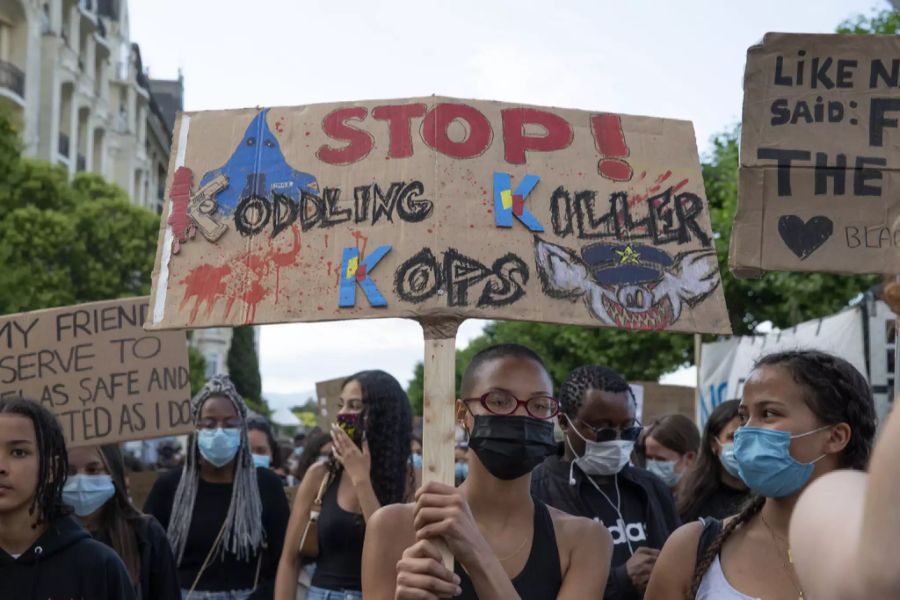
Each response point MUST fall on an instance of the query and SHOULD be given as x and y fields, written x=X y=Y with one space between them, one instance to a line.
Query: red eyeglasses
x=499 y=402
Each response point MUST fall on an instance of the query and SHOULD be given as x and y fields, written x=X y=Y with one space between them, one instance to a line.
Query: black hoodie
x=65 y=563
x=550 y=483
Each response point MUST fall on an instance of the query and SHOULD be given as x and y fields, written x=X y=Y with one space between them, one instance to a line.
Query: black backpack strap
x=711 y=529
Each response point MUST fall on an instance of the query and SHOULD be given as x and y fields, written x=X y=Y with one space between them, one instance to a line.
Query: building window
x=212 y=364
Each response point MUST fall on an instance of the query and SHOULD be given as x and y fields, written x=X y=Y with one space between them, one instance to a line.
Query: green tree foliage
x=884 y=21
x=65 y=242
x=197 y=369
x=415 y=391
x=243 y=368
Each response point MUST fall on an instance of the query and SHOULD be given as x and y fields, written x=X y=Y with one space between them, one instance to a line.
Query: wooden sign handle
x=439 y=415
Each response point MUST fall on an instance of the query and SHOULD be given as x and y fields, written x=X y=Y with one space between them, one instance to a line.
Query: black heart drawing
x=804 y=238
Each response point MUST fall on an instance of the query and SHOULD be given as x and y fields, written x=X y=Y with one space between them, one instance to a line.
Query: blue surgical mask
x=417 y=460
x=462 y=471
x=665 y=470
x=728 y=459
x=88 y=493
x=262 y=460
x=218 y=446
x=765 y=462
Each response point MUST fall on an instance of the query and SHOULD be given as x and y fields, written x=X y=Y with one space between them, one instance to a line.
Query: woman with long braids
x=225 y=517
x=713 y=487
x=44 y=552
x=803 y=414
x=366 y=473
x=97 y=493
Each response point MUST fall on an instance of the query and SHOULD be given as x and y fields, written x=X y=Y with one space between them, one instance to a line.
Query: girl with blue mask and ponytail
x=713 y=487
x=803 y=414
x=96 y=492
x=225 y=517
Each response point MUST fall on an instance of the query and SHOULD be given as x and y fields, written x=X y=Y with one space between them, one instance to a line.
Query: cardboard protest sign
x=106 y=379
x=435 y=208
x=328 y=394
x=820 y=153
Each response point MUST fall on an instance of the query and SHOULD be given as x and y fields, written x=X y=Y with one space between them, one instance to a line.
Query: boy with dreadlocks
x=225 y=517
x=593 y=479
x=44 y=552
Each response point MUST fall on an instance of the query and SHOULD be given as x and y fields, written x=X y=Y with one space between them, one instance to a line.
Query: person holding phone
x=370 y=467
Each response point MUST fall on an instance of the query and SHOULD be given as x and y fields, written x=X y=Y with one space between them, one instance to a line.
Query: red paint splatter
x=205 y=283
x=360 y=238
x=635 y=198
x=278 y=126
x=284 y=259
x=180 y=193
x=680 y=185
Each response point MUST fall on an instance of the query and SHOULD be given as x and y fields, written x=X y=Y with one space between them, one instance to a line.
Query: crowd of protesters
x=560 y=493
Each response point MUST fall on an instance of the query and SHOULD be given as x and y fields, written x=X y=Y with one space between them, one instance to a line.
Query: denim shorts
x=228 y=595
x=316 y=593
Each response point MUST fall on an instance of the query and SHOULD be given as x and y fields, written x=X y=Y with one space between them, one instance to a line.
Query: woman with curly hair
x=369 y=470
x=803 y=414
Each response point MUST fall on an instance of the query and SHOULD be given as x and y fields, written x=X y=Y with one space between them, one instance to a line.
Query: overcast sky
x=681 y=59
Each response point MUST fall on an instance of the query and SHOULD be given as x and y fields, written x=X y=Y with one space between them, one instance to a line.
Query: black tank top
x=341 y=535
x=541 y=577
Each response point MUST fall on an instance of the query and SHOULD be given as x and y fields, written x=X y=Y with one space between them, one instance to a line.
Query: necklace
x=519 y=549
x=515 y=552
x=789 y=566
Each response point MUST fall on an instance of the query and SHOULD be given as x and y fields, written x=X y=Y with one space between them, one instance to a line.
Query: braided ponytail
x=751 y=509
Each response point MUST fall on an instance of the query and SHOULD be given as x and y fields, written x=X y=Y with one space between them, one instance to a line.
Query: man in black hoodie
x=593 y=478
x=44 y=553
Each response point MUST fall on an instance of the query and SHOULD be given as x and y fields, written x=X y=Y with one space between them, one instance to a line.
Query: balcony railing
x=12 y=78
x=64 y=145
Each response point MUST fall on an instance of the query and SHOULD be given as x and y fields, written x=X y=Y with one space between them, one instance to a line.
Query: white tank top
x=714 y=586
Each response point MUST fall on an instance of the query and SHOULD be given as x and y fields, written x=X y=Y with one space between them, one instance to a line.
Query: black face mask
x=510 y=447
